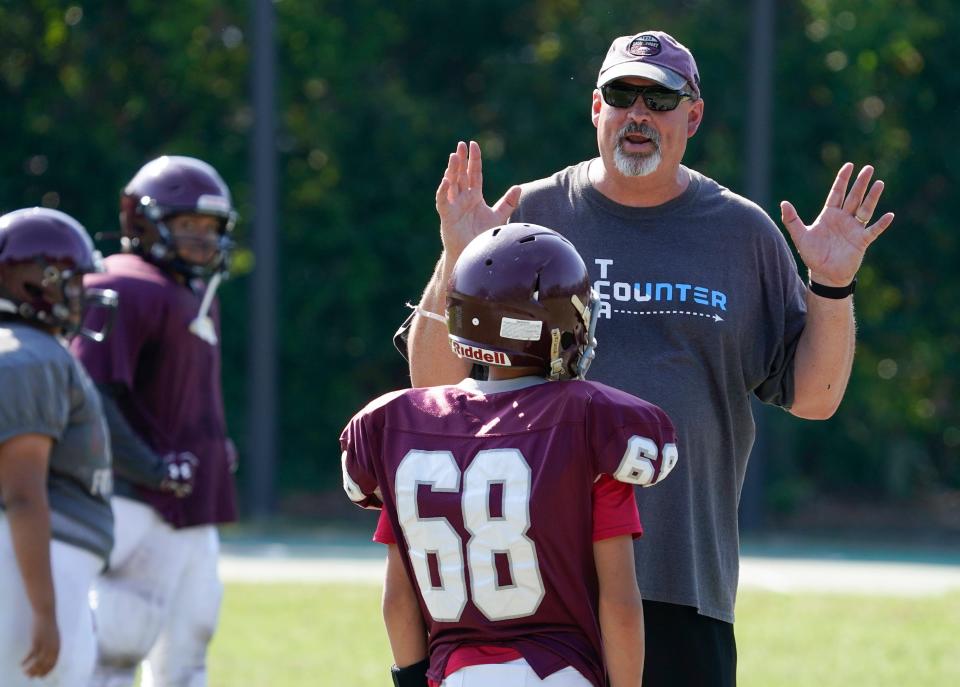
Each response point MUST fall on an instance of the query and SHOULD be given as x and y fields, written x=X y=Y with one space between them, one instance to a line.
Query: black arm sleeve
x=133 y=460
x=412 y=676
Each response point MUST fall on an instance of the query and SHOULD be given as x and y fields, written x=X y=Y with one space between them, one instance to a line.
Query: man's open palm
x=834 y=245
x=463 y=212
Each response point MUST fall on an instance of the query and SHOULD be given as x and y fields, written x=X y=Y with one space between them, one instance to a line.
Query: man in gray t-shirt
x=703 y=306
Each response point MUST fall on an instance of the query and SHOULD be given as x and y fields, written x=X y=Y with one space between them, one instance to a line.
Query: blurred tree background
x=374 y=95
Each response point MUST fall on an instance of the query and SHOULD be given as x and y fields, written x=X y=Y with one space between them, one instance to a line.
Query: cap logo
x=646 y=45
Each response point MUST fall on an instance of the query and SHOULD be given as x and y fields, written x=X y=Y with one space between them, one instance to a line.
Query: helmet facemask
x=575 y=359
x=157 y=241
x=54 y=297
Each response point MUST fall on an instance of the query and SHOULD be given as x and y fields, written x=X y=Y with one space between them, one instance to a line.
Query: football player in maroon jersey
x=157 y=606
x=507 y=504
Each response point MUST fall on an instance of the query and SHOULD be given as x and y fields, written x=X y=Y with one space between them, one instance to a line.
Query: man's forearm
x=432 y=362
x=824 y=357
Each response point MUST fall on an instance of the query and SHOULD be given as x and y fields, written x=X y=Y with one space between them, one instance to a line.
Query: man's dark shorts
x=686 y=649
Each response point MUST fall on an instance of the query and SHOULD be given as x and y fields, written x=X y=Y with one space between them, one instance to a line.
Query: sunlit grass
x=300 y=635
x=832 y=640
x=285 y=635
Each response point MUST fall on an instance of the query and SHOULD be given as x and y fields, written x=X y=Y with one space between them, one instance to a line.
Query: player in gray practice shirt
x=56 y=526
x=703 y=306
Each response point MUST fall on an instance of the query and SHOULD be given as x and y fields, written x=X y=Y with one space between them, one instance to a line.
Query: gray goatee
x=637 y=164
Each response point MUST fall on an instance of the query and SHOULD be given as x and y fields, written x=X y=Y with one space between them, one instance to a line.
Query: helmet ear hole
x=567 y=340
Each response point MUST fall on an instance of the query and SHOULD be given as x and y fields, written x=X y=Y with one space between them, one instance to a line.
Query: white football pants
x=73 y=571
x=512 y=674
x=158 y=603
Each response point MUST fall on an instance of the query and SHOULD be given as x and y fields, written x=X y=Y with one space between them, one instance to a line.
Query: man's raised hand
x=834 y=245
x=463 y=212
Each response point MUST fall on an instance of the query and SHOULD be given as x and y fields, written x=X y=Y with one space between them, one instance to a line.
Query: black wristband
x=412 y=676
x=835 y=292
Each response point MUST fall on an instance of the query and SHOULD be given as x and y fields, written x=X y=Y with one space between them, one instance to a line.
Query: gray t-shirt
x=44 y=390
x=702 y=305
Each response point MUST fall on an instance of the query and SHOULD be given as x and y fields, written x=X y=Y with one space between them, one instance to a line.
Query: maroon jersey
x=175 y=402
x=488 y=487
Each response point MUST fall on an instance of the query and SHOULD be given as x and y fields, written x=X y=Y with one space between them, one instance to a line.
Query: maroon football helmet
x=52 y=293
x=520 y=296
x=168 y=186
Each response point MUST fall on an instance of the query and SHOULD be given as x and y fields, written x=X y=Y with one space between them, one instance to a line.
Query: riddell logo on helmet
x=481 y=355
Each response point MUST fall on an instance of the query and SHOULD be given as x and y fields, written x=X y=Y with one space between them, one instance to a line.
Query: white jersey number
x=637 y=464
x=490 y=535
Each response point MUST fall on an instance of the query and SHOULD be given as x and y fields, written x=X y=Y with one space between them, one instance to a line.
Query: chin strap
x=202 y=326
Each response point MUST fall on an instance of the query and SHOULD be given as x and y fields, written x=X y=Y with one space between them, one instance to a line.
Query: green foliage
x=374 y=95
x=878 y=85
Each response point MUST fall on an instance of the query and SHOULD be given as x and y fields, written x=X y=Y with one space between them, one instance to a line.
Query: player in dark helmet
x=507 y=504
x=43 y=255
x=153 y=206
x=56 y=526
x=523 y=294
x=159 y=375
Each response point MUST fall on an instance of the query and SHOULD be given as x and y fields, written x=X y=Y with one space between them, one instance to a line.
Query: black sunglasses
x=656 y=98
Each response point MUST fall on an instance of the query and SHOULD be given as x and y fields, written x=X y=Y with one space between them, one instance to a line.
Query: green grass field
x=280 y=635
